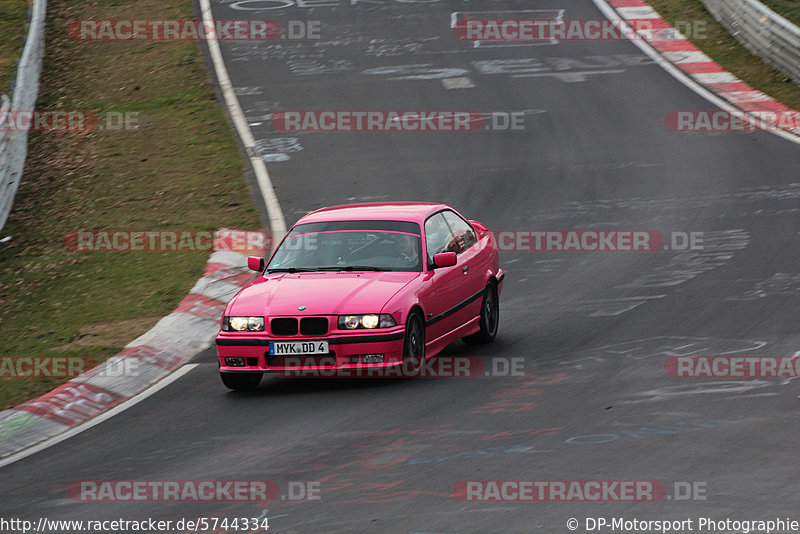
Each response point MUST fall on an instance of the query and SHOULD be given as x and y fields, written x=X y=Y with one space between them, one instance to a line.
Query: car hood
x=328 y=293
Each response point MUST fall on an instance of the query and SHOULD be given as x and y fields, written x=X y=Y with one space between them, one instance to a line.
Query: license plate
x=292 y=348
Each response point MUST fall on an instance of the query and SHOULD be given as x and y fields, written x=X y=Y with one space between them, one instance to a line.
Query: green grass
x=717 y=43
x=789 y=9
x=13 y=28
x=181 y=170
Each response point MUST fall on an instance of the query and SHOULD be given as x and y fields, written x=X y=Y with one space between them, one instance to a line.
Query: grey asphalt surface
x=592 y=330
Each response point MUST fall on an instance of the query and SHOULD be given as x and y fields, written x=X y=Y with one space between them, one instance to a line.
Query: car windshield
x=350 y=246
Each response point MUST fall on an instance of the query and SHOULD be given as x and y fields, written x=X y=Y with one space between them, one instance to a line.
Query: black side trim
x=500 y=278
x=455 y=308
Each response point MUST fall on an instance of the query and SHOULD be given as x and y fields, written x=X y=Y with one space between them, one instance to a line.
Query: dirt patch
x=109 y=333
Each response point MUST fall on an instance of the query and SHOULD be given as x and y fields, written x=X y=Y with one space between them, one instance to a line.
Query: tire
x=414 y=344
x=490 y=317
x=241 y=381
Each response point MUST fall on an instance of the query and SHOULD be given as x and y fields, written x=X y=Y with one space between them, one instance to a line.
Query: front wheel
x=490 y=317
x=241 y=381
x=414 y=345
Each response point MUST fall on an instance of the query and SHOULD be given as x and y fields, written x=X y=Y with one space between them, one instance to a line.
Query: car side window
x=462 y=236
x=437 y=236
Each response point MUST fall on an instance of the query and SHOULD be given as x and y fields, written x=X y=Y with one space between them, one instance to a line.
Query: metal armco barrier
x=14 y=144
x=762 y=31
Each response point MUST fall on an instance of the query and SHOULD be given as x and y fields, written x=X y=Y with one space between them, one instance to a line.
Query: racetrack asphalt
x=591 y=330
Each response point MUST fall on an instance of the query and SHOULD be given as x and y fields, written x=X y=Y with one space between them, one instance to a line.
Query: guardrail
x=762 y=31
x=14 y=144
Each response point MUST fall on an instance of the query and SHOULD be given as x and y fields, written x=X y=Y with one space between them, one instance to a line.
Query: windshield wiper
x=292 y=270
x=353 y=268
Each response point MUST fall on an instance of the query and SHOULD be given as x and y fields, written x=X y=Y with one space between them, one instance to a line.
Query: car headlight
x=242 y=324
x=368 y=320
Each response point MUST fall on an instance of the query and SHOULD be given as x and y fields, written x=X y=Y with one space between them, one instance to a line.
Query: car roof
x=376 y=211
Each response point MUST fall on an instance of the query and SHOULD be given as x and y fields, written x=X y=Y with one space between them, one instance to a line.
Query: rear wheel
x=241 y=381
x=490 y=317
x=414 y=345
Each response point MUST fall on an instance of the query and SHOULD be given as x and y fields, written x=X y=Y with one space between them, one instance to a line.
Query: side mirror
x=445 y=259
x=479 y=226
x=254 y=263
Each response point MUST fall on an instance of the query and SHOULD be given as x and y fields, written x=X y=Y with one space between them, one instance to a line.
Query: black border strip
x=242 y=342
x=366 y=339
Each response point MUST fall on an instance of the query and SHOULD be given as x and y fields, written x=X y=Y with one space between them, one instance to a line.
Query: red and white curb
x=682 y=54
x=172 y=342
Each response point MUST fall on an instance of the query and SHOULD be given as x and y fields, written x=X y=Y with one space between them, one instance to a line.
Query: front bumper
x=346 y=351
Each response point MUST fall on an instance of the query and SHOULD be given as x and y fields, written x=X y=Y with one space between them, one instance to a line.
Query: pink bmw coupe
x=363 y=286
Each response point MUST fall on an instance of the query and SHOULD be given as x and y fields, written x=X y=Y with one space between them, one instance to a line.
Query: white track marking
x=568 y=77
x=276 y=221
x=458 y=83
x=136 y=399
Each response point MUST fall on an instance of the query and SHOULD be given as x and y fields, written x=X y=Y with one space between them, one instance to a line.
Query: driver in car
x=407 y=247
